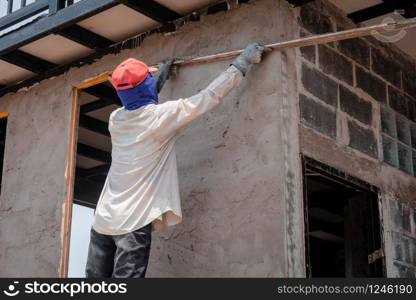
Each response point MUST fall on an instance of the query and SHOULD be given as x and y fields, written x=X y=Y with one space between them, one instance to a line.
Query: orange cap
x=130 y=73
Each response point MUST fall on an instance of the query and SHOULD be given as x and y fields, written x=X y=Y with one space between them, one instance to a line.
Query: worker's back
x=141 y=185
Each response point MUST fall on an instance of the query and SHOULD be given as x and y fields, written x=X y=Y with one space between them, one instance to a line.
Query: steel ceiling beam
x=93 y=153
x=85 y=37
x=99 y=170
x=105 y=92
x=94 y=124
x=94 y=105
x=28 y=61
x=298 y=2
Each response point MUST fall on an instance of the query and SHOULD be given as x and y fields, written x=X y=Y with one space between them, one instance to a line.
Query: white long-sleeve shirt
x=142 y=183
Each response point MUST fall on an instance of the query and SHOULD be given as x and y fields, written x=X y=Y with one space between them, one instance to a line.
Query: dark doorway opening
x=93 y=159
x=342 y=223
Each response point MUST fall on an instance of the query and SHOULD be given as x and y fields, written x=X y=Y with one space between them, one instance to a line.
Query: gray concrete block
x=362 y=139
x=398 y=101
x=335 y=64
x=398 y=251
x=405 y=158
x=404 y=248
x=411 y=103
x=317 y=116
x=386 y=67
x=370 y=84
x=414 y=167
x=388 y=121
x=413 y=134
x=309 y=53
x=390 y=151
x=314 y=21
x=357 y=49
x=400 y=215
x=414 y=213
x=403 y=271
x=320 y=85
x=403 y=129
x=355 y=106
x=409 y=81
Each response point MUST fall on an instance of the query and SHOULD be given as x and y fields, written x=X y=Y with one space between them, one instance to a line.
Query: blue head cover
x=142 y=94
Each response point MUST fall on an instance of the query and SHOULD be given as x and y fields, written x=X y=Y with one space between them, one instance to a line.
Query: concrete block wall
x=357 y=98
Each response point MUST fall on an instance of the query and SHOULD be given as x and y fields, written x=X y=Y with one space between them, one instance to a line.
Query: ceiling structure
x=69 y=33
x=65 y=32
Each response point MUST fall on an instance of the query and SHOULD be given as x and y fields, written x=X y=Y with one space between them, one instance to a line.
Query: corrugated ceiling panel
x=118 y=23
x=85 y=162
x=94 y=139
x=10 y=73
x=185 y=6
x=56 y=49
x=104 y=113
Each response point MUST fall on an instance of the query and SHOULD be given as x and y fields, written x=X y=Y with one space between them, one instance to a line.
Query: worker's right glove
x=251 y=55
x=163 y=74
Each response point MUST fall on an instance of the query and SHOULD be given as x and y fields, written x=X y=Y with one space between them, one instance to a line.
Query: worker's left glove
x=163 y=74
x=251 y=55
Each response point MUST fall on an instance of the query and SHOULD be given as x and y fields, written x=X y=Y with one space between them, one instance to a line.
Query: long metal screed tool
x=301 y=42
x=311 y=40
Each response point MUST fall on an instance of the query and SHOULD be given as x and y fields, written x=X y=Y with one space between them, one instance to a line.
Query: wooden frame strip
x=70 y=170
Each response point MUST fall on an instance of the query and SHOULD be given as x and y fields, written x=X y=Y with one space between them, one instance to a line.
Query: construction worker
x=141 y=192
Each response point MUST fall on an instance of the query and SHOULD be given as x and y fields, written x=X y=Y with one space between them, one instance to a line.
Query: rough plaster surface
x=231 y=160
x=33 y=181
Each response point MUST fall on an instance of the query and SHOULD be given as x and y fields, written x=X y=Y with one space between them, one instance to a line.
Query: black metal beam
x=53 y=23
x=28 y=61
x=370 y=12
x=94 y=124
x=99 y=170
x=93 y=153
x=87 y=192
x=105 y=92
x=94 y=105
x=85 y=37
x=298 y=2
x=23 y=13
x=87 y=201
x=152 y=9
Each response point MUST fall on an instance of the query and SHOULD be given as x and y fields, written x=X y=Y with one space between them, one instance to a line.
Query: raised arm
x=174 y=115
x=162 y=74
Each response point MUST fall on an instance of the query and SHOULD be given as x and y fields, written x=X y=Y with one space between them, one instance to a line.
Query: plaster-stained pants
x=119 y=256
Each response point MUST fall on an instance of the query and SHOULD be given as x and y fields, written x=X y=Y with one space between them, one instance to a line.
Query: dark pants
x=119 y=256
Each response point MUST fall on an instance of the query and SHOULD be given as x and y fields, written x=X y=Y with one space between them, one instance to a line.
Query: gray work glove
x=251 y=55
x=163 y=74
